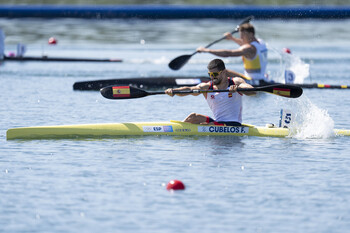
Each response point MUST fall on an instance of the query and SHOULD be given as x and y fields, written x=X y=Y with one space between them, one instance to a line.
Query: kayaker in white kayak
x=226 y=106
x=253 y=51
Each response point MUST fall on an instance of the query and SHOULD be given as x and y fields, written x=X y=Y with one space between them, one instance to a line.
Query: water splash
x=297 y=66
x=311 y=122
x=289 y=62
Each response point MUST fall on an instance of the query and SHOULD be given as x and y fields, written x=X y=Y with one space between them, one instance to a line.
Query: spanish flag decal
x=121 y=91
x=229 y=95
x=281 y=91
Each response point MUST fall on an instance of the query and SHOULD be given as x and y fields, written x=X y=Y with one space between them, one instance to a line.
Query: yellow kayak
x=108 y=130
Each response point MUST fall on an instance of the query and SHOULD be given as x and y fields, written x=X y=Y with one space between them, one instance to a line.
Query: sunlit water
x=247 y=184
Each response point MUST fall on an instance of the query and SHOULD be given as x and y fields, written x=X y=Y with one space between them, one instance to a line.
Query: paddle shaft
x=218 y=40
x=265 y=88
x=128 y=92
x=196 y=91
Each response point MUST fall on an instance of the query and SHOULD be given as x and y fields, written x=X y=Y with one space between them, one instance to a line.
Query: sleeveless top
x=256 y=67
x=226 y=106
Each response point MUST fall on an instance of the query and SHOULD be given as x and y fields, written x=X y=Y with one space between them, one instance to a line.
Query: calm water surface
x=246 y=184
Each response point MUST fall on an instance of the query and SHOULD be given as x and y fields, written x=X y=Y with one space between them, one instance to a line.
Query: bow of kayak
x=108 y=130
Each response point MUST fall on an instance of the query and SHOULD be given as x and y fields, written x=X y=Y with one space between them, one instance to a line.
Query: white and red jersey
x=226 y=106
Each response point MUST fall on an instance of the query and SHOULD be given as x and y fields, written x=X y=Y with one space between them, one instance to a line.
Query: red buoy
x=175 y=185
x=52 y=40
x=287 y=50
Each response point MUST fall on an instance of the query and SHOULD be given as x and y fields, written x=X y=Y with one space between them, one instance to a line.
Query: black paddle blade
x=285 y=90
x=179 y=62
x=122 y=92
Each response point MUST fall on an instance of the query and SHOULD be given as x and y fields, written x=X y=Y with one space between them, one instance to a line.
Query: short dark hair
x=247 y=27
x=216 y=63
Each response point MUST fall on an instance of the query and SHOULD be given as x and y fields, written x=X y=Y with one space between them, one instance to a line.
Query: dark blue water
x=246 y=184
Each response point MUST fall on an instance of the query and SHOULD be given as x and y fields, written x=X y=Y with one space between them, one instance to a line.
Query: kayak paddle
x=128 y=92
x=180 y=61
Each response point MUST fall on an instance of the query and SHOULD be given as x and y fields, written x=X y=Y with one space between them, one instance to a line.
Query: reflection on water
x=222 y=145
